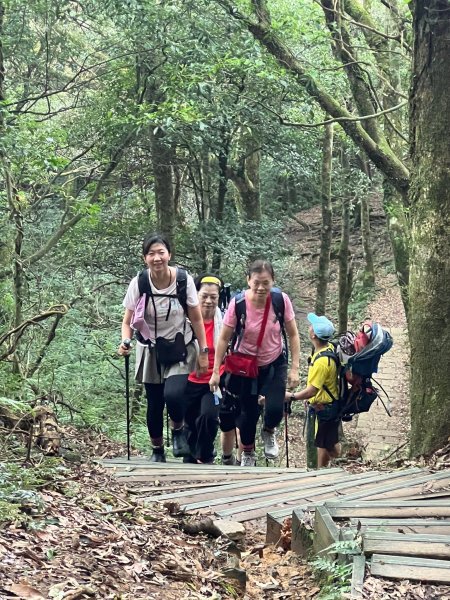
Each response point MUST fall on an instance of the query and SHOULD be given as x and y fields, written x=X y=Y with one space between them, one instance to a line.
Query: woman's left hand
x=293 y=379
x=203 y=364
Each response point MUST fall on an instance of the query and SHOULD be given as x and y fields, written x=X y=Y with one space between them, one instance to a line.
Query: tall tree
x=327 y=222
x=429 y=325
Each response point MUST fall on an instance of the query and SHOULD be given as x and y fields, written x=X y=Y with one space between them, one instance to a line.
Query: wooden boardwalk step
x=436 y=546
x=412 y=479
x=249 y=486
x=388 y=508
x=432 y=526
x=406 y=567
x=361 y=485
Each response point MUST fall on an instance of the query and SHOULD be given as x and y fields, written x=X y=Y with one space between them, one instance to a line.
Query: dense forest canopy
x=206 y=120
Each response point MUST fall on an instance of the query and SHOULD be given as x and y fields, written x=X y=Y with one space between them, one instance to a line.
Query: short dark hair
x=199 y=281
x=154 y=238
x=260 y=265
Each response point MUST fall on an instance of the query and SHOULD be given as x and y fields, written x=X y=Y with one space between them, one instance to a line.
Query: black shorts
x=327 y=435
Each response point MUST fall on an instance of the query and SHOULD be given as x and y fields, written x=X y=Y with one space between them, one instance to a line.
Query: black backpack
x=241 y=313
x=181 y=292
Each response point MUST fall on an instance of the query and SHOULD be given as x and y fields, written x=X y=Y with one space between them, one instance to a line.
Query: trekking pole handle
x=127 y=343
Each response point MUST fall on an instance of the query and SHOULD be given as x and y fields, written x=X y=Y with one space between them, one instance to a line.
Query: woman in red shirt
x=202 y=406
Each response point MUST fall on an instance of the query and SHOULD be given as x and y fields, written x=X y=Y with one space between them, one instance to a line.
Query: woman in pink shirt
x=243 y=392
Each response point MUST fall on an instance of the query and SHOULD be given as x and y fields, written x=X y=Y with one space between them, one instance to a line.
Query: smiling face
x=157 y=258
x=208 y=296
x=260 y=284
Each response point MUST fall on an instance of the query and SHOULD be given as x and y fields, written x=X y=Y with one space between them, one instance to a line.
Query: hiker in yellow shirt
x=321 y=388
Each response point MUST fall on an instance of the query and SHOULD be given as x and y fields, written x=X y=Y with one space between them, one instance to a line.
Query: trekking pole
x=127 y=344
x=287 y=411
x=167 y=428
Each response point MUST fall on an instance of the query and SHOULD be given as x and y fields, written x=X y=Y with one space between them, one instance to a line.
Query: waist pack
x=244 y=365
x=170 y=352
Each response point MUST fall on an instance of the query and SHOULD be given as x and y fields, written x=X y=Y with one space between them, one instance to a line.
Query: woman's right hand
x=214 y=382
x=125 y=348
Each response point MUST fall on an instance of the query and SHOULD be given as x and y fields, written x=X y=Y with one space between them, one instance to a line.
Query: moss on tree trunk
x=429 y=313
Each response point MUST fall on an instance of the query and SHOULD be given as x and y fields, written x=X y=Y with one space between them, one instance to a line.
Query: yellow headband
x=214 y=280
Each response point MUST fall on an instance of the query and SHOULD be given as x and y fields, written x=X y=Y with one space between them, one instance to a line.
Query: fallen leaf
x=23 y=590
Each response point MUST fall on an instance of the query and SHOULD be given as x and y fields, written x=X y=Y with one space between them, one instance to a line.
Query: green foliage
x=19 y=497
x=334 y=574
x=85 y=89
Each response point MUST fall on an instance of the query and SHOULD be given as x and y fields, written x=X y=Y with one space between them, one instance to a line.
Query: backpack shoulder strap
x=182 y=288
x=330 y=354
x=278 y=305
x=144 y=285
x=240 y=310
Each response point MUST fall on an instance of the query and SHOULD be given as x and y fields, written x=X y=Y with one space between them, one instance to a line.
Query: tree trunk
x=429 y=290
x=327 y=217
x=400 y=236
x=162 y=157
x=369 y=270
x=345 y=267
x=246 y=181
x=221 y=195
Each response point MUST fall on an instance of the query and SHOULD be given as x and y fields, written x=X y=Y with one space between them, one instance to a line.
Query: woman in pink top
x=241 y=392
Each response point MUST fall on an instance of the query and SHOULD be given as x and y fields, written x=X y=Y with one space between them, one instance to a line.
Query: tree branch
x=17 y=332
x=343 y=119
x=381 y=156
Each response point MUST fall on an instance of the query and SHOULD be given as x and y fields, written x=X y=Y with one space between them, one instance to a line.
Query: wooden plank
x=420 y=487
x=279 y=482
x=273 y=529
x=305 y=495
x=189 y=467
x=301 y=537
x=188 y=477
x=407 y=567
x=326 y=532
x=368 y=493
x=366 y=487
x=271 y=494
x=358 y=572
x=433 y=546
x=387 y=508
x=431 y=526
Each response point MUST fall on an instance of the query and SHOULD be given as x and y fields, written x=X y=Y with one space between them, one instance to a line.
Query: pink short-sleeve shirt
x=272 y=343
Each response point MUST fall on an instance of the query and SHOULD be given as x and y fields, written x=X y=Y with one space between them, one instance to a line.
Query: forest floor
x=78 y=533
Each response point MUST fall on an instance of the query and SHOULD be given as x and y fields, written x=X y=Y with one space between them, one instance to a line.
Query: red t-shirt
x=209 y=330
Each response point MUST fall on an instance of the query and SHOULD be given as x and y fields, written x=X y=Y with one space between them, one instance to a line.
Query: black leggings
x=240 y=406
x=201 y=420
x=170 y=393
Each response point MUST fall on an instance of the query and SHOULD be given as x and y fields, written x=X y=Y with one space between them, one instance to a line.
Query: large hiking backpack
x=241 y=314
x=145 y=293
x=355 y=371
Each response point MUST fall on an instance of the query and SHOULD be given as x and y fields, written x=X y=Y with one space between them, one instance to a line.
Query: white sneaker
x=271 y=448
x=248 y=459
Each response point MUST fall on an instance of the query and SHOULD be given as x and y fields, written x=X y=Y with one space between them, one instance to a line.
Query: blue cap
x=322 y=327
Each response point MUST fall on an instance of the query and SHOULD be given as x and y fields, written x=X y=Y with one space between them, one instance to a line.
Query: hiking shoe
x=229 y=460
x=248 y=459
x=180 y=446
x=271 y=448
x=158 y=455
x=189 y=459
